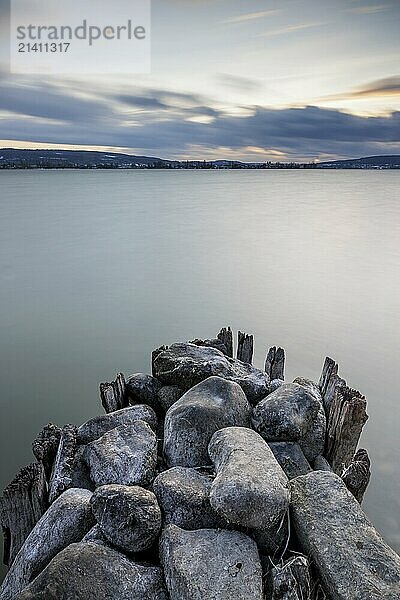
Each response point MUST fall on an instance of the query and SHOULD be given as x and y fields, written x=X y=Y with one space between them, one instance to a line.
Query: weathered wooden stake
x=22 y=504
x=245 y=347
x=45 y=447
x=113 y=394
x=275 y=363
x=60 y=479
x=226 y=337
x=347 y=417
x=329 y=381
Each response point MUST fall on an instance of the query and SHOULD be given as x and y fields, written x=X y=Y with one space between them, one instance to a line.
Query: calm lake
x=99 y=268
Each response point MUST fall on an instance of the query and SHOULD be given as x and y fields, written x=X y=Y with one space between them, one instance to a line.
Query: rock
x=183 y=495
x=67 y=520
x=350 y=556
x=272 y=540
x=142 y=389
x=275 y=384
x=89 y=571
x=186 y=365
x=95 y=428
x=210 y=564
x=214 y=343
x=291 y=458
x=290 y=581
x=127 y=455
x=321 y=464
x=250 y=489
x=292 y=414
x=190 y=423
x=168 y=395
x=129 y=516
x=61 y=474
x=80 y=476
x=357 y=475
x=95 y=535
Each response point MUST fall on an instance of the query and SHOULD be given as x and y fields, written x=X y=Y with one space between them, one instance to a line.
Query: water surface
x=99 y=268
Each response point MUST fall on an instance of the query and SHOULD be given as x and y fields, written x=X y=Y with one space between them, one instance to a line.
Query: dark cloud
x=96 y=121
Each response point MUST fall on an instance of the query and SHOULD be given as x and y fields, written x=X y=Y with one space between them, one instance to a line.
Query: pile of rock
x=210 y=479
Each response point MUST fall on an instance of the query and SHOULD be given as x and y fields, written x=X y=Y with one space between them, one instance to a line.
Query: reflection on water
x=98 y=268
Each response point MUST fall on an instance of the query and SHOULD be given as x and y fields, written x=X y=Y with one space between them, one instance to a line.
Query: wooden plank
x=275 y=363
x=245 y=347
x=226 y=337
x=22 y=504
x=357 y=475
x=113 y=395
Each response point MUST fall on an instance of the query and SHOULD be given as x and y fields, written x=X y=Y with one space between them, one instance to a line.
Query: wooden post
x=275 y=363
x=22 y=504
x=328 y=382
x=45 y=447
x=226 y=337
x=113 y=394
x=60 y=479
x=245 y=347
x=358 y=474
x=347 y=417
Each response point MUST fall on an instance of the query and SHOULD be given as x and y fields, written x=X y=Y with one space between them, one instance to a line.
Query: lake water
x=99 y=268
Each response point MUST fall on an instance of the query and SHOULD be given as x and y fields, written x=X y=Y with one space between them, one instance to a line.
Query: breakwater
x=208 y=479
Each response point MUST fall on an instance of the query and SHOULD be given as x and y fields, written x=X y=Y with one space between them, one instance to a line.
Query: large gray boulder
x=127 y=455
x=67 y=520
x=129 y=517
x=190 y=423
x=291 y=458
x=142 y=389
x=98 y=426
x=350 y=556
x=210 y=564
x=250 y=489
x=167 y=396
x=292 y=413
x=186 y=365
x=183 y=495
x=89 y=571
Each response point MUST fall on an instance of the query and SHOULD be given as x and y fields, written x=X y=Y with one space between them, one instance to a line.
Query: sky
x=249 y=80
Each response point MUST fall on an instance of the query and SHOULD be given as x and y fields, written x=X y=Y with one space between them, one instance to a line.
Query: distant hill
x=81 y=159
x=72 y=158
x=368 y=162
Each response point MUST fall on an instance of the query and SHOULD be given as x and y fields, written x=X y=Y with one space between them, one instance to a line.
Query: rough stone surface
x=95 y=428
x=275 y=384
x=183 y=495
x=291 y=458
x=185 y=365
x=210 y=564
x=250 y=488
x=292 y=413
x=96 y=536
x=321 y=464
x=168 y=395
x=351 y=558
x=129 y=516
x=142 y=389
x=89 y=571
x=127 y=455
x=190 y=423
x=67 y=520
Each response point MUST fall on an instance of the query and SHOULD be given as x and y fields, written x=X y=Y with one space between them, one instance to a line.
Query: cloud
x=291 y=29
x=252 y=16
x=295 y=132
x=241 y=84
x=368 y=10
x=389 y=86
